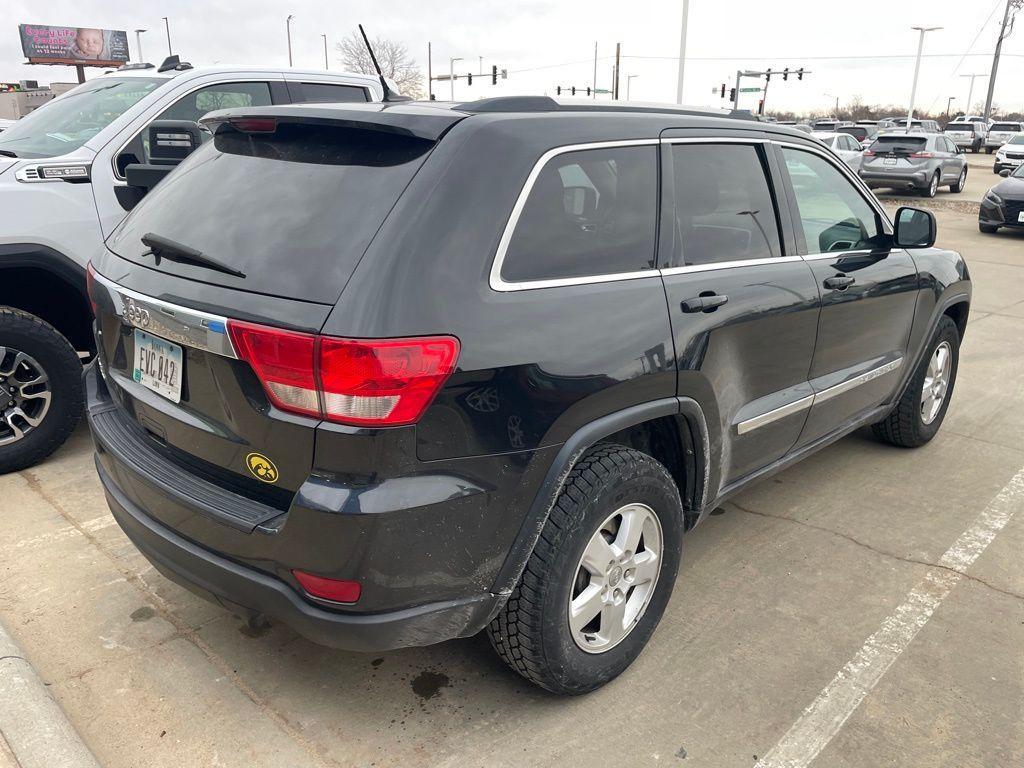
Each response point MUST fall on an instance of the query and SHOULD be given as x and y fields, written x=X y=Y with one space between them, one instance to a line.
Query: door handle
x=839 y=282
x=708 y=303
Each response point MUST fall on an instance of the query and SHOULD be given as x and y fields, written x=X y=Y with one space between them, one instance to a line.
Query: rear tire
x=917 y=416
x=933 y=187
x=960 y=183
x=532 y=632
x=43 y=350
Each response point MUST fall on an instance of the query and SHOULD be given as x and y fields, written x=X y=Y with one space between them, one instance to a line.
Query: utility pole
x=949 y=105
x=288 y=26
x=430 y=73
x=1004 y=33
x=736 y=90
x=326 y=64
x=481 y=72
x=682 y=51
x=615 y=84
x=970 y=93
x=167 y=27
x=138 y=44
x=451 y=74
x=595 y=70
x=917 y=70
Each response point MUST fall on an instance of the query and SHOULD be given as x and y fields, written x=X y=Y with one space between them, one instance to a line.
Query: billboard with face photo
x=88 y=46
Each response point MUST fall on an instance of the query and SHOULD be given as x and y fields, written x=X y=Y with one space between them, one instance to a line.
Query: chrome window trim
x=187 y=319
x=496 y=281
x=119 y=180
x=716 y=265
x=836 y=254
x=810 y=401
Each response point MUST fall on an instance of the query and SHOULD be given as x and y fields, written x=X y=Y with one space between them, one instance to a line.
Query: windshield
x=1018 y=139
x=1008 y=127
x=1019 y=173
x=65 y=124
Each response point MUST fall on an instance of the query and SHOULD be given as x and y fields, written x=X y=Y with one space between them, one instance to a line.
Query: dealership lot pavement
x=778 y=591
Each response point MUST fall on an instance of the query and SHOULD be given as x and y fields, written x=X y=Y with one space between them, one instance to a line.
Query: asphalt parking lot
x=786 y=596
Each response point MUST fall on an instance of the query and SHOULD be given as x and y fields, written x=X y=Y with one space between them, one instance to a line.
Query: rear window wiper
x=165 y=248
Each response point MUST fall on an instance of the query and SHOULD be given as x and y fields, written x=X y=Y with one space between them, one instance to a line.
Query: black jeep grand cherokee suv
x=394 y=374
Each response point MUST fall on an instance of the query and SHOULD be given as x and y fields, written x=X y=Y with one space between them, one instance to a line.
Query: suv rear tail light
x=922 y=154
x=869 y=153
x=369 y=382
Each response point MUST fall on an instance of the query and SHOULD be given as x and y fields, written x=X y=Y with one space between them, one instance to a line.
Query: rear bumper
x=419 y=587
x=247 y=591
x=910 y=179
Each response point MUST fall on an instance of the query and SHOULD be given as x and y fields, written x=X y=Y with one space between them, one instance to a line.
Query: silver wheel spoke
x=597 y=555
x=646 y=571
x=585 y=607
x=630 y=530
x=613 y=621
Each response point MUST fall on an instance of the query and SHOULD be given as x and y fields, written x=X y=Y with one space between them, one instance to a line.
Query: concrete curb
x=36 y=729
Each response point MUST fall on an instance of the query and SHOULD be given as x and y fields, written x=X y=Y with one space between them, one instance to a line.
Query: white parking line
x=825 y=716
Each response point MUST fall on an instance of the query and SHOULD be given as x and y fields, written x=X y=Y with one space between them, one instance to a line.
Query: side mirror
x=170 y=142
x=1005 y=173
x=914 y=228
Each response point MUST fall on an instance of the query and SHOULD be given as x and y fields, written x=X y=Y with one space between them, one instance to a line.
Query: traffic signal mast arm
x=734 y=93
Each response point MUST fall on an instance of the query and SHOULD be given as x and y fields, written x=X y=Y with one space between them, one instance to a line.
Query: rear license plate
x=158 y=365
x=1020 y=217
x=889 y=161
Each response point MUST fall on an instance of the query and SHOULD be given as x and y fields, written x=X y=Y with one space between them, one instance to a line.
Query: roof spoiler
x=389 y=95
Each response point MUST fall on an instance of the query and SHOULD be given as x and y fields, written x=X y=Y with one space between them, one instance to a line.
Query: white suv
x=64 y=187
x=1000 y=133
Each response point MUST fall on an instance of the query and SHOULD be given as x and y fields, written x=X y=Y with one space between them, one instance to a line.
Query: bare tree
x=393 y=57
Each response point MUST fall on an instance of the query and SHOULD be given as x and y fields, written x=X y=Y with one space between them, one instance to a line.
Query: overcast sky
x=863 y=49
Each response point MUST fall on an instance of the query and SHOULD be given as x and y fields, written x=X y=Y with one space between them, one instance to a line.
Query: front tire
x=919 y=413
x=41 y=395
x=600 y=576
x=988 y=229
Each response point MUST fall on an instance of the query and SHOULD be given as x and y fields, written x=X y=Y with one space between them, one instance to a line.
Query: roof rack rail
x=547 y=104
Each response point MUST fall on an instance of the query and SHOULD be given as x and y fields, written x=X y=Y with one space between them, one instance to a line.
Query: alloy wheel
x=25 y=395
x=936 y=382
x=615 y=578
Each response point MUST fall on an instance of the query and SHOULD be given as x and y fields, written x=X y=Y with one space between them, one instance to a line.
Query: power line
x=820 y=58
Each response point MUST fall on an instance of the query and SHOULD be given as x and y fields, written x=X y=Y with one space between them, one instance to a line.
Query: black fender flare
x=19 y=255
x=952 y=296
x=578 y=444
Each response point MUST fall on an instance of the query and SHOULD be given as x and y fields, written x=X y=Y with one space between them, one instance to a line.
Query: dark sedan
x=1003 y=205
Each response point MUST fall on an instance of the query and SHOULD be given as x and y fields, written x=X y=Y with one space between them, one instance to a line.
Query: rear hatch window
x=857 y=132
x=292 y=210
x=965 y=128
x=1005 y=127
x=898 y=145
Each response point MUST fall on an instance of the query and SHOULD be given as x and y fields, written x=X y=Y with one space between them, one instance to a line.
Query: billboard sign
x=86 y=46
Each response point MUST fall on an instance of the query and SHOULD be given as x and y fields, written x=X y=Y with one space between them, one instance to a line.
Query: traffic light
x=800 y=74
x=469 y=78
x=723 y=91
x=760 y=107
x=494 y=75
x=732 y=95
x=785 y=74
x=573 y=90
x=768 y=76
x=588 y=90
x=558 y=90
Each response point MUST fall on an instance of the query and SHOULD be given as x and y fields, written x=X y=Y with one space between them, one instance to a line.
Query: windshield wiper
x=8 y=153
x=165 y=248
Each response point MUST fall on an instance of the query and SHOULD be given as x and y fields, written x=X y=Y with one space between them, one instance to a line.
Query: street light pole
x=326 y=64
x=949 y=105
x=682 y=53
x=288 y=27
x=970 y=93
x=167 y=28
x=451 y=74
x=629 y=80
x=917 y=70
x=138 y=44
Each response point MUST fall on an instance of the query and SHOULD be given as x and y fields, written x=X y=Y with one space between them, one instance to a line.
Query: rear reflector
x=370 y=382
x=335 y=590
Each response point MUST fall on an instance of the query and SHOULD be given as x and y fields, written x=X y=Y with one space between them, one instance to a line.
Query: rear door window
x=833 y=214
x=330 y=93
x=724 y=207
x=589 y=213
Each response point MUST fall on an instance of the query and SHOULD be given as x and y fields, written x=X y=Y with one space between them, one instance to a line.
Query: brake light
x=335 y=590
x=254 y=124
x=922 y=154
x=369 y=382
x=90 y=286
x=869 y=153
